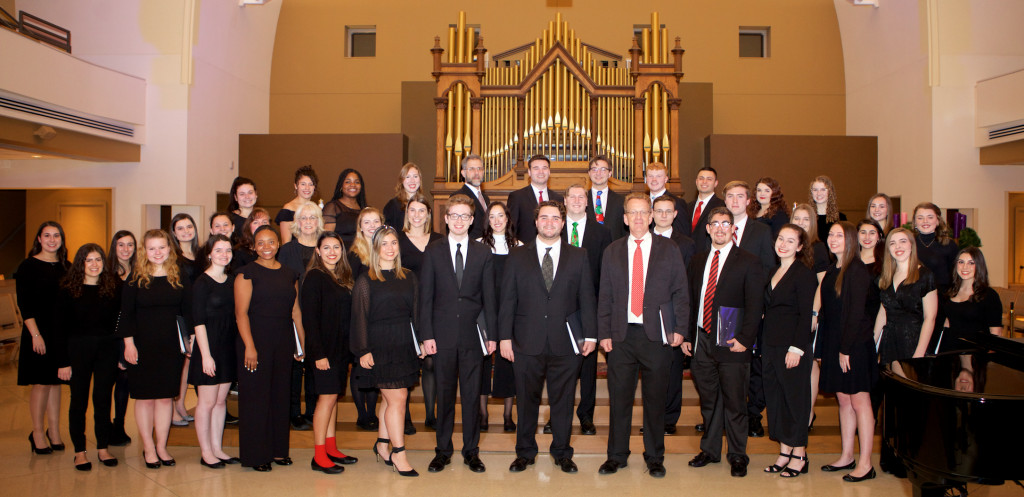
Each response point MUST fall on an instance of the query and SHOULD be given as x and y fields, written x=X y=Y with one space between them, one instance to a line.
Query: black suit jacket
x=448 y=312
x=700 y=233
x=521 y=204
x=614 y=213
x=686 y=246
x=476 y=230
x=682 y=222
x=664 y=283
x=757 y=239
x=535 y=318
x=740 y=284
x=787 y=308
x=595 y=239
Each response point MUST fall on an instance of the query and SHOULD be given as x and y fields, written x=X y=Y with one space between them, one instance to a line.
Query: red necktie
x=696 y=215
x=540 y=196
x=709 y=294
x=636 y=289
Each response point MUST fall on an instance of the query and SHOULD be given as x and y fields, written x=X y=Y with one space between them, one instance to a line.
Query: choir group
x=766 y=303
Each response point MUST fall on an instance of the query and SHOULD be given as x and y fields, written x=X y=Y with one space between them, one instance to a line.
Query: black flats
x=110 y=463
x=217 y=465
x=867 y=476
x=330 y=470
x=828 y=468
x=263 y=468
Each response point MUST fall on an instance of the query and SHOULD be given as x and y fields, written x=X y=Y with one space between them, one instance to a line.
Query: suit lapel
x=563 y=254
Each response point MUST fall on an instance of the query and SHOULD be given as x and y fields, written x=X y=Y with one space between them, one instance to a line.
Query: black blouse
x=939 y=257
x=326 y=316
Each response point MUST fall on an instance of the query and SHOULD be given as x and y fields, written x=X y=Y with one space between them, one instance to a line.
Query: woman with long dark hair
x=213 y=364
x=185 y=239
x=245 y=241
x=804 y=217
x=848 y=365
x=269 y=325
x=770 y=206
x=305 y=186
x=348 y=200
x=410 y=184
x=88 y=304
x=500 y=236
x=120 y=262
x=383 y=310
x=43 y=349
x=970 y=306
x=154 y=305
x=326 y=302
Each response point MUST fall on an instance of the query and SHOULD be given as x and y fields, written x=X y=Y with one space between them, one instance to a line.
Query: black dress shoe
x=152 y=465
x=510 y=426
x=229 y=419
x=828 y=468
x=231 y=460
x=699 y=427
x=331 y=470
x=430 y=424
x=701 y=460
x=547 y=428
x=475 y=464
x=110 y=463
x=85 y=466
x=587 y=427
x=284 y=461
x=299 y=423
x=520 y=464
x=343 y=459
x=566 y=465
x=365 y=426
x=656 y=469
x=738 y=468
x=670 y=429
x=120 y=439
x=610 y=467
x=410 y=429
x=756 y=430
x=262 y=468
x=438 y=463
x=168 y=462
x=867 y=476
x=484 y=425
x=216 y=465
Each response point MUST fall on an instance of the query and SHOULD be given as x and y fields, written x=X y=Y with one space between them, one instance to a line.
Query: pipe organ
x=558 y=96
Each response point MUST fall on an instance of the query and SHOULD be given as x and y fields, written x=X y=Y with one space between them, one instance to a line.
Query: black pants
x=263 y=398
x=121 y=396
x=722 y=387
x=461 y=367
x=428 y=384
x=674 y=392
x=788 y=393
x=637 y=355
x=299 y=369
x=755 y=391
x=93 y=360
x=560 y=374
x=588 y=387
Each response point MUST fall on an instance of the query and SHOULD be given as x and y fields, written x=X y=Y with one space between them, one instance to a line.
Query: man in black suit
x=456 y=287
x=473 y=173
x=603 y=204
x=582 y=230
x=656 y=177
x=523 y=202
x=644 y=311
x=707 y=181
x=754 y=237
x=664 y=214
x=547 y=310
x=724 y=278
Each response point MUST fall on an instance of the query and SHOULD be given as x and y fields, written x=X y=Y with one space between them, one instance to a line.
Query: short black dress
x=213 y=305
x=845 y=327
x=326 y=317
x=969 y=317
x=150 y=317
x=904 y=314
x=37 y=285
x=382 y=315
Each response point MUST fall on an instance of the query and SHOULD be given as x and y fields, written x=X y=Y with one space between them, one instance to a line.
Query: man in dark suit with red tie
x=603 y=204
x=546 y=323
x=707 y=181
x=456 y=289
x=523 y=202
x=644 y=311
x=473 y=173
x=726 y=281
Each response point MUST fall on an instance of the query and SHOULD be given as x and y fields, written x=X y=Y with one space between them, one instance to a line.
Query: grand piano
x=956 y=418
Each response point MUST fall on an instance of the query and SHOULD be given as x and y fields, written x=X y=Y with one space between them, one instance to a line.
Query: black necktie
x=458 y=264
x=548 y=268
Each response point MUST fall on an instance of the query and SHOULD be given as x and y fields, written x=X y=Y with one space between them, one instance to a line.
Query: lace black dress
x=904 y=314
x=344 y=219
x=382 y=315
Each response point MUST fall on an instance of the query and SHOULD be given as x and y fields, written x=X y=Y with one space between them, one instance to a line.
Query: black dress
x=37 y=285
x=150 y=317
x=239 y=222
x=845 y=327
x=296 y=256
x=263 y=393
x=412 y=256
x=823 y=225
x=904 y=314
x=344 y=219
x=213 y=305
x=382 y=313
x=822 y=257
x=939 y=258
x=394 y=215
x=503 y=383
x=775 y=222
x=970 y=317
x=284 y=216
x=326 y=316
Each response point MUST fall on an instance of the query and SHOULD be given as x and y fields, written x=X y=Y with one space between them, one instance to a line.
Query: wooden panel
x=83 y=223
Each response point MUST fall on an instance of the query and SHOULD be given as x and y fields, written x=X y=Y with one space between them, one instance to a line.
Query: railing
x=38 y=29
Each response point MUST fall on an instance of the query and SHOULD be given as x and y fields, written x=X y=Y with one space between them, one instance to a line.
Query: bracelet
x=37 y=334
x=814 y=313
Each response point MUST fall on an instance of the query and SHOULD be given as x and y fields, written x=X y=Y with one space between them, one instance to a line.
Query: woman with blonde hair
x=366 y=224
x=155 y=304
x=906 y=319
x=880 y=210
x=823 y=197
x=410 y=184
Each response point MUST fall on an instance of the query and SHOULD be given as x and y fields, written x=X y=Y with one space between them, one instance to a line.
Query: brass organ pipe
x=467 y=142
x=647 y=127
x=656 y=122
x=655 y=39
x=470 y=44
x=451 y=44
x=664 y=46
x=665 y=142
x=645 y=35
x=461 y=41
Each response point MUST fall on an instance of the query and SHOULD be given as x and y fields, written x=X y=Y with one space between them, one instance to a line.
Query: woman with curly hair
x=88 y=303
x=305 y=186
x=770 y=208
x=823 y=198
x=348 y=200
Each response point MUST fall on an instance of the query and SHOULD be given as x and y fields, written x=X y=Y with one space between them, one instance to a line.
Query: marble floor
x=24 y=474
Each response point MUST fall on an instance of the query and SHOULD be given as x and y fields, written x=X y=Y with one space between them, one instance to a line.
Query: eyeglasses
x=600 y=169
x=460 y=217
x=720 y=224
x=637 y=213
x=663 y=212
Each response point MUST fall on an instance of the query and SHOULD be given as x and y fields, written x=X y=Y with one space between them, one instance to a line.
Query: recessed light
x=37 y=156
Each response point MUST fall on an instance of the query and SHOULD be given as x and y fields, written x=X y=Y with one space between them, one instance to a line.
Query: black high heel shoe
x=410 y=472
x=43 y=451
x=867 y=476
x=376 y=453
x=789 y=472
x=53 y=445
x=810 y=426
x=775 y=468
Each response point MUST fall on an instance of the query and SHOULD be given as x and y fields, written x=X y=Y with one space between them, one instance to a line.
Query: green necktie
x=575 y=235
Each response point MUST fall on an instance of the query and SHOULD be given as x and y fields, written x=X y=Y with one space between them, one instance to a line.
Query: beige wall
x=799 y=90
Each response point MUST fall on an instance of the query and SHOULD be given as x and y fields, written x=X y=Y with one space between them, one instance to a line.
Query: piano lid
x=994 y=369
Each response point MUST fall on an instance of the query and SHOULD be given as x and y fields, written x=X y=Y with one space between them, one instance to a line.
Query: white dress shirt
x=451 y=248
x=645 y=251
x=722 y=256
x=580 y=228
x=556 y=250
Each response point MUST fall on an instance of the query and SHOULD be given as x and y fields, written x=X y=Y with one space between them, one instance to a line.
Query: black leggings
x=93 y=360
